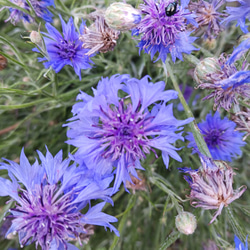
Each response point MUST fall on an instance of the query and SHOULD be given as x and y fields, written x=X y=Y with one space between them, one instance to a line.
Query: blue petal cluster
x=65 y=49
x=49 y=198
x=239 y=14
x=223 y=142
x=126 y=119
x=239 y=245
x=165 y=34
x=40 y=8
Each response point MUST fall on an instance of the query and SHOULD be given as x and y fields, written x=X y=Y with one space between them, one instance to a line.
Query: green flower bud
x=185 y=223
x=35 y=37
x=122 y=16
x=205 y=68
x=243 y=38
x=210 y=44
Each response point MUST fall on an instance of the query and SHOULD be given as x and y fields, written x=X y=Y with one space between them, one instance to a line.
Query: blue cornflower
x=223 y=142
x=239 y=14
x=49 y=197
x=240 y=245
x=40 y=8
x=65 y=49
x=118 y=131
x=164 y=33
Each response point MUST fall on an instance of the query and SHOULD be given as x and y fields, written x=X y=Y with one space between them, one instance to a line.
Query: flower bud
x=243 y=38
x=205 y=68
x=210 y=44
x=185 y=223
x=122 y=16
x=35 y=37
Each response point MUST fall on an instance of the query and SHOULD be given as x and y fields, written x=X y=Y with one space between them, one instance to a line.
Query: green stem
x=202 y=146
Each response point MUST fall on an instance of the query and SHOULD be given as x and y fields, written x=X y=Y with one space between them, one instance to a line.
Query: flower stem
x=202 y=146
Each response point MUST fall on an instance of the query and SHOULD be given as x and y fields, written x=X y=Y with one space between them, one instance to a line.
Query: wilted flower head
x=40 y=8
x=212 y=186
x=163 y=29
x=242 y=120
x=208 y=17
x=99 y=37
x=65 y=49
x=239 y=14
x=125 y=120
x=223 y=141
x=239 y=245
x=49 y=202
x=137 y=183
x=225 y=81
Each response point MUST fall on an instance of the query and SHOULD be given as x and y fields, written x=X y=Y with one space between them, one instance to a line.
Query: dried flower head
x=208 y=17
x=163 y=29
x=99 y=37
x=225 y=81
x=3 y=62
x=242 y=120
x=212 y=186
x=138 y=183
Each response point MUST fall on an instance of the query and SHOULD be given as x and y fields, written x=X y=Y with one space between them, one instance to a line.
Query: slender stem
x=202 y=146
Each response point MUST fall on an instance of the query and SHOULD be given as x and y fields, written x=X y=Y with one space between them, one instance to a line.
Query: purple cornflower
x=225 y=81
x=49 y=200
x=40 y=8
x=165 y=33
x=212 y=186
x=118 y=131
x=222 y=140
x=65 y=49
x=208 y=17
x=239 y=14
x=239 y=245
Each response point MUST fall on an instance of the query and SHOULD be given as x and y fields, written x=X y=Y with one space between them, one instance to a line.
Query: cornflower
x=125 y=120
x=164 y=31
x=49 y=197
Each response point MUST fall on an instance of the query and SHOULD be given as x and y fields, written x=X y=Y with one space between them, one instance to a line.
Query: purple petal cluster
x=40 y=8
x=223 y=141
x=212 y=186
x=49 y=198
x=126 y=119
x=165 y=34
x=239 y=14
x=65 y=49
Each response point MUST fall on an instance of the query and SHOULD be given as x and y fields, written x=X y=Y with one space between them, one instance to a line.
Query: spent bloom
x=212 y=186
x=126 y=119
x=239 y=14
x=40 y=8
x=239 y=245
x=99 y=37
x=163 y=29
x=224 y=79
x=48 y=199
x=64 y=49
x=208 y=17
x=223 y=141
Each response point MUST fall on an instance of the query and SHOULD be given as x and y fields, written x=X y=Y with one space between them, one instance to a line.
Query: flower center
x=67 y=49
x=124 y=131
x=213 y=138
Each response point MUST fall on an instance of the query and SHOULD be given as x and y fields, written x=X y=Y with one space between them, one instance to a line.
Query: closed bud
x=205 y=69
x=210 y=43
x=185 y=223
x=243 y=38
x=122 y=16
x=35 y=37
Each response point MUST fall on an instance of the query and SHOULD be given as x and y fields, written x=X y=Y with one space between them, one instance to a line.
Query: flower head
x=239 y=14
x=125 y=120
x=99 y=37
x=48 y=203
x=165 y=33
x=40 y=8
x=225 y=81
x=65 y=49
x=208 y=17
x=212 y=186
x=239 y=245
x=222 y=140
